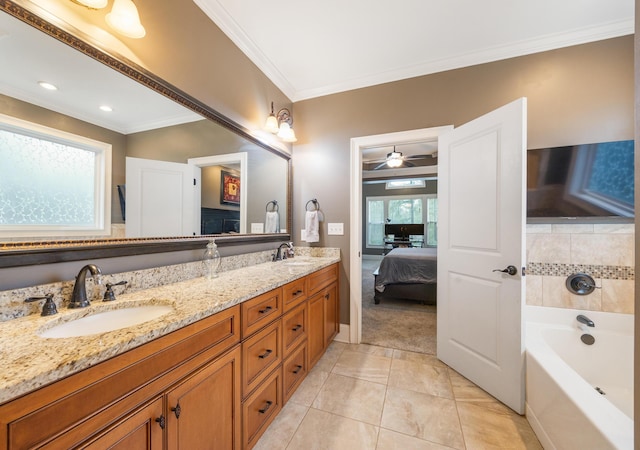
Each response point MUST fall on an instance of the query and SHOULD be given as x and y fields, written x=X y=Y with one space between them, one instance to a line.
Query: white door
x=481 y=226
x=161 y=198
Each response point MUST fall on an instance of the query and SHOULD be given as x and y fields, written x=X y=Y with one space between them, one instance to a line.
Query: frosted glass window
x=51 y=184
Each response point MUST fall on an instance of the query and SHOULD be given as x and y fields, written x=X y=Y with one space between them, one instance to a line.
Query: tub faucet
x=79 y=296
x=585 y=320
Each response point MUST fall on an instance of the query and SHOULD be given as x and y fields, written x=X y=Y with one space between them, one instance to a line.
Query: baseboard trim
x=343 y=335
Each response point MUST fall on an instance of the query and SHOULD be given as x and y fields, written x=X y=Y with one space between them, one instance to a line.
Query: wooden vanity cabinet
x=324 y=312
x=93 y=405
x=217 y=383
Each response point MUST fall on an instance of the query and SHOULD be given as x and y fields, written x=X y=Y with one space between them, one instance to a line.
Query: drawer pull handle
x=266 y=407
x=266 y=310
x=296 y=328
x=265 y=354
x=298 y=368
x=161 y=421
x=326 y=296
x=298 y=292
x=177 y=410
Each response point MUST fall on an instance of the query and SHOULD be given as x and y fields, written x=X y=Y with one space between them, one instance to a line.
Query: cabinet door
x=331 y=314
x=139 y=431
x=315 y=339
x=204 y=409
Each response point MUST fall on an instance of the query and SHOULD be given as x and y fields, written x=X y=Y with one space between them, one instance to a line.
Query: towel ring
x=315 y=203
x=274 y=206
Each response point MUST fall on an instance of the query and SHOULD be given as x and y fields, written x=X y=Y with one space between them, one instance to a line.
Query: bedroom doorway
x=359 y=147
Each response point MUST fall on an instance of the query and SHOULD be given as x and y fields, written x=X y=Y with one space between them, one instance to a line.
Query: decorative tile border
x=596 y=271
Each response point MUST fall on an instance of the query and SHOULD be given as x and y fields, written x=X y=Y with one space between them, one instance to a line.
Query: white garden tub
x=564 y=376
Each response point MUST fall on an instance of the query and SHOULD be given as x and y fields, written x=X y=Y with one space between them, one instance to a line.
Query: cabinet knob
x=161 y=421
x=266 y=407
x=177 y=410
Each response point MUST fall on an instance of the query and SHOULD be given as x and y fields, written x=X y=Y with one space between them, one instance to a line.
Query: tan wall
x=575 y=95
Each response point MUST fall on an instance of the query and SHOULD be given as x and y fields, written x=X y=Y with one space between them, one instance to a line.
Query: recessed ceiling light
x=106 y=108
x=48 y=86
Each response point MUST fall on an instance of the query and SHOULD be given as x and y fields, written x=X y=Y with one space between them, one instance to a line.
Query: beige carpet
x=402 y=324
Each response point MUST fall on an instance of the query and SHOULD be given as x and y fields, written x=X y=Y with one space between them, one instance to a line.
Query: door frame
x=216 y=160
x=355 y=246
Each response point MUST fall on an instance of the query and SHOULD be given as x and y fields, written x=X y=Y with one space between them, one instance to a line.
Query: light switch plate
x=257 y=228
x=335 y=229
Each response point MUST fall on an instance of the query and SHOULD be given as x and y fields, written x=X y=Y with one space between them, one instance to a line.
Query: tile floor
x=361 y=397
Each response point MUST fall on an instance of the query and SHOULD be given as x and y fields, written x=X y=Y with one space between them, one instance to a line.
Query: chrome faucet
x=585 y=320
x=79 y=296
x=279 y=256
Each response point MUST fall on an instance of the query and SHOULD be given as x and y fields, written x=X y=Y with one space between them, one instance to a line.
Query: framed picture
x=229 y=188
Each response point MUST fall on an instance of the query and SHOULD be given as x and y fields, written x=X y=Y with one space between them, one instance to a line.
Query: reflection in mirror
x=142 y=125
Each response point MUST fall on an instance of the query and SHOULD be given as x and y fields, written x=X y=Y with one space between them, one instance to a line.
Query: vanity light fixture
x=123 y=18
x=280 y=124
x=92 y=4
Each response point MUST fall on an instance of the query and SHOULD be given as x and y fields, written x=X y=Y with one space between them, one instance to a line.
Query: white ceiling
x=310 y=49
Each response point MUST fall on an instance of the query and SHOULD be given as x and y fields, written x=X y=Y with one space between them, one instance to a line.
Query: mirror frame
x=15 y=254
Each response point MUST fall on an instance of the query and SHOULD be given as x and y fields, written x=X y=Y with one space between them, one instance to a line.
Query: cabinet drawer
x=259 y=410
x=321 y=278
x=294 y=369
x=261 y=310
x=261 y=353
x=294 y=293
x=295 y=324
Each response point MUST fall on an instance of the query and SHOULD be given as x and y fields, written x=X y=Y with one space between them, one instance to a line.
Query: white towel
x=272 y=222
x=312 y=225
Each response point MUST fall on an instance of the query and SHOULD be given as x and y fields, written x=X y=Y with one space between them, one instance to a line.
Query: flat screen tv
x=581 y=183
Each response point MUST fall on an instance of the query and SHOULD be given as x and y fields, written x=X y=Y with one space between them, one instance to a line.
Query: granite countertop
x=30 y=361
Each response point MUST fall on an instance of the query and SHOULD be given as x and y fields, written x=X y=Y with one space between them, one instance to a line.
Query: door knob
x=511 y=270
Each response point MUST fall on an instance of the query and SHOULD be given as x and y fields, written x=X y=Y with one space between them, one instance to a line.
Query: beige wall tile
x=605 y=249
x=556 y=294
x=534 y=289
x=627 y=228
x=551 y=248
x=618 y=296
x=579 y=228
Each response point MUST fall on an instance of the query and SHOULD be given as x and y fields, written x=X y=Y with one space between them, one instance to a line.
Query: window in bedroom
x=52 y=183
x=401 y=209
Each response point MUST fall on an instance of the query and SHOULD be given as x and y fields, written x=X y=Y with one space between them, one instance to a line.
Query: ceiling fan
x=396 y=159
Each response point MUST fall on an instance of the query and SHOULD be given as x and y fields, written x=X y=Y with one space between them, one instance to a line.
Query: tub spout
x=585 y=320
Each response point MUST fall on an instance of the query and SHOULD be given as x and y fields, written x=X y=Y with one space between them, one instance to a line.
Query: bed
x=407 y=273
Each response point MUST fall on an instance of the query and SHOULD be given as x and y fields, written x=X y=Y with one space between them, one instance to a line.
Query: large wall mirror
x=241 y=180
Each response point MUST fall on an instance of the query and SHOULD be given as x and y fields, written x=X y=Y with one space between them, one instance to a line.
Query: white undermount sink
x=102 y=322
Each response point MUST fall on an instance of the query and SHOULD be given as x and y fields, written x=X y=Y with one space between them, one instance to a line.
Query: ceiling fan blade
x=418 y=156
x=380 y=166
x=406 y=163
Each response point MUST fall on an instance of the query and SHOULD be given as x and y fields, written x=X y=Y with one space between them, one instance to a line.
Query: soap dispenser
x=211 y=260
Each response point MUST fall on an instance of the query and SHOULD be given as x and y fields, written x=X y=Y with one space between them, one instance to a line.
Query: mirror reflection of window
x=52 y=182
